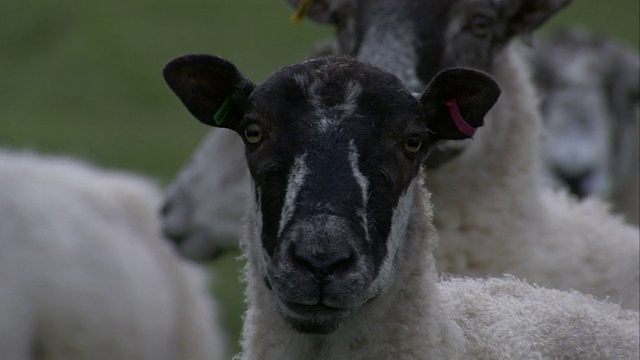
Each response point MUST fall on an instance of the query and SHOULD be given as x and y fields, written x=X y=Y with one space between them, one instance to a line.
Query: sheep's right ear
x=211 y=88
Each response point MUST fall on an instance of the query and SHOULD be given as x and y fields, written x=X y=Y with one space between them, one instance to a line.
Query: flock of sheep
x=452 y=196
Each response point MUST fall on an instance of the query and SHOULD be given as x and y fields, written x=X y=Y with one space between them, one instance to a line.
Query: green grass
x=83 y=78
x=618 y=19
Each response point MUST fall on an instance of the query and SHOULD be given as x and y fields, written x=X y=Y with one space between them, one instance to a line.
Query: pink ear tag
x=458 y=120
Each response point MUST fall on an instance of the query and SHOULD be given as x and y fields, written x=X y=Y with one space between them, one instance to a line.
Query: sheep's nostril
x=576 y=183
x=166 y=208
x=323 y=262
x=176 y=238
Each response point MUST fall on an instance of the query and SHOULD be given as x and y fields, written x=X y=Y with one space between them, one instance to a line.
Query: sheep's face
x=332 y=146
x=331 y=149
x=591 y=97
x=414 y=39
x=201 y=230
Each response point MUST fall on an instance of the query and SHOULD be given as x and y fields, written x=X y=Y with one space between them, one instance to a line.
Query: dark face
x=331 y=157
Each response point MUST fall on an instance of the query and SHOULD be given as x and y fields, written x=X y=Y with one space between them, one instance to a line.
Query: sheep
x=502 y=217
x=591 y=112
x=85 y=273
x=202 y=230
x=339 y=239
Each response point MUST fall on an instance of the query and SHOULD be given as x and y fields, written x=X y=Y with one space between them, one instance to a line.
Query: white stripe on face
x=296 y=180
x=333 y=116
x=399 y=223
x=251 y=242
x=329 y=116
x=362 y=181
x=294 y=184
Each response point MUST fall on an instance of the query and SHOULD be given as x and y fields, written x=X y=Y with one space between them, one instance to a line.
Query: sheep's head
x=332 y=145
x=591 y=96
x=415 y=39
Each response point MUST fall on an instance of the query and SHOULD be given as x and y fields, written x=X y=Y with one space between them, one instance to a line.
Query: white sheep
x=500 y=217
x=203 y=229
x=85 y=273
x=339 y=240
x=590 y=88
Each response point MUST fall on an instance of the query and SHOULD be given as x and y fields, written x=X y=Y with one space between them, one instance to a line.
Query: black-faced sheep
x=85 y=272
x=339 y=240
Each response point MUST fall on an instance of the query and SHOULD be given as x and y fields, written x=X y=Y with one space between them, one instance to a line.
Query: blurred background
x=83 y=78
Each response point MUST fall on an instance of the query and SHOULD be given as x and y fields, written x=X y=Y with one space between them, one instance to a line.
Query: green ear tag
x=220 y=115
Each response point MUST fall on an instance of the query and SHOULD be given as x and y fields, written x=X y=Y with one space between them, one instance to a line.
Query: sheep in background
x=202 y=212
x=339 y=240
x=590 y=88
x=85 y=273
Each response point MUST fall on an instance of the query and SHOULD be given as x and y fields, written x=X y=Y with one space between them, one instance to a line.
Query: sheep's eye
x=253 y=133
x=412 y=145
x=481 y=25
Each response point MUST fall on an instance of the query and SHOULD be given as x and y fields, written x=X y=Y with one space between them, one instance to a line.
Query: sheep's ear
x=212 y=88
x=621 y=81
x=320 y=11
x=528 y=15
x=456 y=101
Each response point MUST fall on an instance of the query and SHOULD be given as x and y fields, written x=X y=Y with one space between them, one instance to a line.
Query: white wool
x=84 y=272
x=506 y=318
x=418 y=317
x=496 y=215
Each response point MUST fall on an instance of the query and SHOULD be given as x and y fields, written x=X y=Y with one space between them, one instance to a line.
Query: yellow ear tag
x=304 y=6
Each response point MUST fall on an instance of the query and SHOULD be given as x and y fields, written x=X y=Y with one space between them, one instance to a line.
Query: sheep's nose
x=173 y=225
x=577 y=183
x=167 y=205
x=323 y=262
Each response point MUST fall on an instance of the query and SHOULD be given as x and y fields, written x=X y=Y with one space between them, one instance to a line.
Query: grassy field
x=83 y=78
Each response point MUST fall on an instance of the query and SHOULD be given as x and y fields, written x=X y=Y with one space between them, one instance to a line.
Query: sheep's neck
x=404 y=321
x=501 y=159
x=497 y=182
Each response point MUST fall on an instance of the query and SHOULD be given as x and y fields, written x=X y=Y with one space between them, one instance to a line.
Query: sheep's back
x=507 y=318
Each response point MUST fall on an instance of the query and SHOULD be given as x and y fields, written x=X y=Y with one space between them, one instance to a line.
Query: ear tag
x=301 y=11
x=458 y=120
x=220 y=116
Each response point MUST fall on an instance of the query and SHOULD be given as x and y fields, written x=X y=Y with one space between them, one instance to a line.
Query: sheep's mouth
x=195 y=245
x=314 y=307
x=314 y=319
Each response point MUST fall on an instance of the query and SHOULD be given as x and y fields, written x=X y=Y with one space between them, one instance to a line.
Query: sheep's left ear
x=456 y=101
x=527 y=15
x=211 y=88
